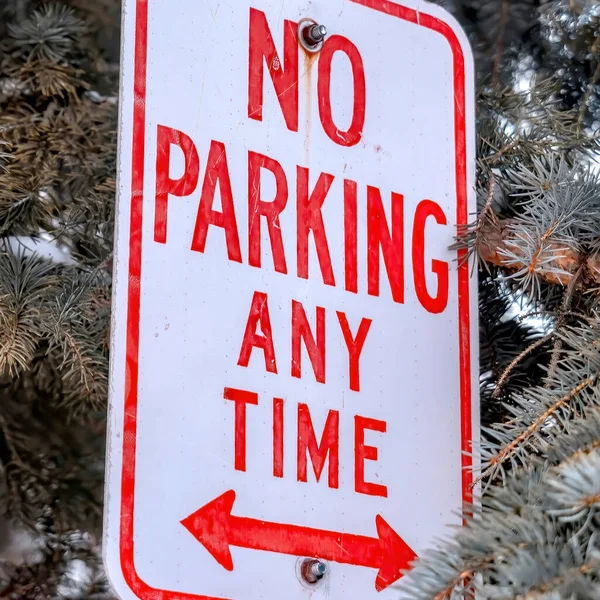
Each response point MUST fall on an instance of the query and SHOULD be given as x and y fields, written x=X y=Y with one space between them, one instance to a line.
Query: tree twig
x=509 y=369
x=558 y=342
x=504 y=12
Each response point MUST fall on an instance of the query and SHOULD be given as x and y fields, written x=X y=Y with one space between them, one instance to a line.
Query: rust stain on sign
x=309 y=61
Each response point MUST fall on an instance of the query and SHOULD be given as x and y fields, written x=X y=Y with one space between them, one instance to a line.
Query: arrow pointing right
x=217 y=529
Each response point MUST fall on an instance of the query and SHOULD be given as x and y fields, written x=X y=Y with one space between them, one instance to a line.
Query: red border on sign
x=139 y=587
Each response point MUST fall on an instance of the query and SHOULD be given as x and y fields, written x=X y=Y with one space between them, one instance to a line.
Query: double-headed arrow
x=216 y=529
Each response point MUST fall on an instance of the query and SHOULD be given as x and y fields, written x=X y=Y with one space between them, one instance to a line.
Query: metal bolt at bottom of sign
x=312 y=570
x=311 y=35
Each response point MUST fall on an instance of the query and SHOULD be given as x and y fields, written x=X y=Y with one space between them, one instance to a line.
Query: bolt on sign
x=294 y=356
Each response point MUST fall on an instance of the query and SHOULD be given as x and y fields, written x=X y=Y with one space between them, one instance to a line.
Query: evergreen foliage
x=537 y=236
x=58 y=76
x=534 y=534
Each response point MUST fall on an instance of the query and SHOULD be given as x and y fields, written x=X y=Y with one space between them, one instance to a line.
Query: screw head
x=311 y=35
x=317 y=33
x=312 y=570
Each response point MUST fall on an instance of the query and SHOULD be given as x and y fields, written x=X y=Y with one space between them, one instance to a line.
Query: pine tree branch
x=496 y=237
x=508 y=451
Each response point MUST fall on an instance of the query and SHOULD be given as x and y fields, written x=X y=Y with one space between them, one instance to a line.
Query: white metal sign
x=294 y=350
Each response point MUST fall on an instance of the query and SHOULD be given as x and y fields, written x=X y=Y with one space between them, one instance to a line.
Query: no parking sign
x=294 y=354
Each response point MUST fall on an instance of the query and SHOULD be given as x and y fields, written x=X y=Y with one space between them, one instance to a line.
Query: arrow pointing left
x=217 y=529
